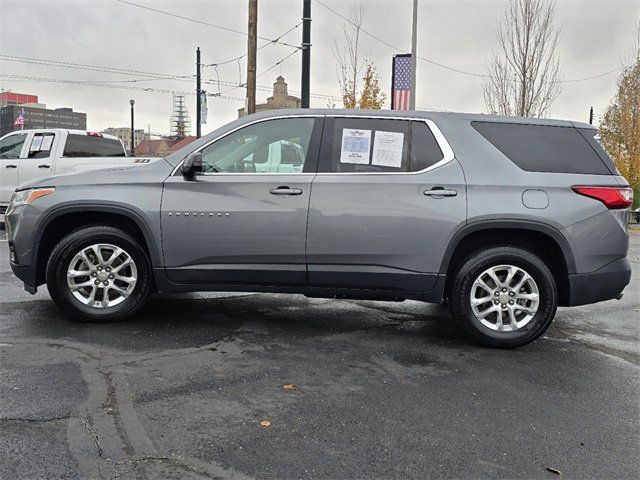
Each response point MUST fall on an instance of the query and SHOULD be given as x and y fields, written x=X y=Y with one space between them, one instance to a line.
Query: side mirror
x=192 y=165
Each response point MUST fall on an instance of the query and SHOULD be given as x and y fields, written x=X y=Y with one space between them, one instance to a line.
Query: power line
x=442 y=65
x=146 y=76
x=266 y=44
x=279 y=62
x=92 y=83
x=95 y=68
x=593 y=77
x=384 y=42
x=201 y=22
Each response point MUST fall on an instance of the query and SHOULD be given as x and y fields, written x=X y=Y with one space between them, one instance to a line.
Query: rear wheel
x=504 y=297
x=99 y=273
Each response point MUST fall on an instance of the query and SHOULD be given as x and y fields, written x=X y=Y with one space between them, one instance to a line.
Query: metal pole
x=251 y=56
x=414 y=56
x=306 y=53
x=591 y=115
x=198 y=106
x=133 y=147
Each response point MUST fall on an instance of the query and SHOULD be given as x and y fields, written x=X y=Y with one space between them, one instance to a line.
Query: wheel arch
x=544 y=240
x=55 y=225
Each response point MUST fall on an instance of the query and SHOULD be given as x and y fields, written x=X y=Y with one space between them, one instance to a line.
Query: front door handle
x=439 y=192
x=11 y=165
x=44 y=166
x=285 y=191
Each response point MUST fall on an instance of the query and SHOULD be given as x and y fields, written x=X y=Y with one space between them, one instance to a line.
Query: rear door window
x=41 y=145
x=544 y=148
x=92 y=146
x=371 y=145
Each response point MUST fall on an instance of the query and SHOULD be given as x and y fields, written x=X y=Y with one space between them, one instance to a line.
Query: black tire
x=64 y=252
x=478 y=262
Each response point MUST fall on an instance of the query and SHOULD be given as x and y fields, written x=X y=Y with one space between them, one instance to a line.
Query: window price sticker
x=356 y=146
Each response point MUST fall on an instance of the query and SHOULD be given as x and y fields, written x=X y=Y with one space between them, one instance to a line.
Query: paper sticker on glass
x=387 y=149
x=356 y=146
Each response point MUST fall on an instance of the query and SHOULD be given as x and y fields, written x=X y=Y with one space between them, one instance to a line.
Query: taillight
x=612 y=197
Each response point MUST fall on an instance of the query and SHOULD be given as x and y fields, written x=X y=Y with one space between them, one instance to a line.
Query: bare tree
x=349 y=57
x=357 y=76
x=523 y=76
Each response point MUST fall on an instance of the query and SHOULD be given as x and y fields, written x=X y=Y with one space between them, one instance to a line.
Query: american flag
x=19 y=120
x=401 y=82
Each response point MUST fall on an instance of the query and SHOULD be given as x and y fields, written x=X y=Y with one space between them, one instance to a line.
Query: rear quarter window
x=545 y=148
x=92 y=146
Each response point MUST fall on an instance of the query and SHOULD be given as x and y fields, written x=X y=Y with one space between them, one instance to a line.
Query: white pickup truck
x=30 y=154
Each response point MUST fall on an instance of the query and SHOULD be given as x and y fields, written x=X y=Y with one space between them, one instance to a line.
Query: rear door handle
x=11 y=165
x=438 y=192
x=44 y=166
x=285 y=191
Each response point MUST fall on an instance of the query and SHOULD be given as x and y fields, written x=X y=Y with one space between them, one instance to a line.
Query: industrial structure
x=180 y=120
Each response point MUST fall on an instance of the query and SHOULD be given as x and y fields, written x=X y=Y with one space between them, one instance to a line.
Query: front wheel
x=99 y=273
x=504 y=297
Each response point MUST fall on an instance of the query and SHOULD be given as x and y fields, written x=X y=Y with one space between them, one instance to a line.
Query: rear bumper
x=604 y=284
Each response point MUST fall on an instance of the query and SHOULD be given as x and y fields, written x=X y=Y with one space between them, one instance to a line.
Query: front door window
x=274 y=146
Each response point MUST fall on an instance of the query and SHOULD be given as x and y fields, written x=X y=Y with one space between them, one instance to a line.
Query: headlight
x=26 y=197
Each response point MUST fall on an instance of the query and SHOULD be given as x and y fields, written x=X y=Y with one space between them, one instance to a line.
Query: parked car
x=507 y=218
x=27 y=155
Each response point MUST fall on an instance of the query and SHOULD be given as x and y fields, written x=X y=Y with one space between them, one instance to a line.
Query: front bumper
x=26 y=273
x=605 y=283
x=20 y=227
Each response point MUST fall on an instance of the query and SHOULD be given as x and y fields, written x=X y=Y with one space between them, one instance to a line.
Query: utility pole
x=132 y=102
x=198 y=131
x=591 y=115
x=306 y=53
x=414 y=56
x=251 y=57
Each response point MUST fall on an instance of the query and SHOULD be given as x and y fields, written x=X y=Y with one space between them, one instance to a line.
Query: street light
x=132 y=102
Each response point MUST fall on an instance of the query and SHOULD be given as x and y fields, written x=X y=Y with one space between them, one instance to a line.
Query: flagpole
x=414 y=56
x=22 y=124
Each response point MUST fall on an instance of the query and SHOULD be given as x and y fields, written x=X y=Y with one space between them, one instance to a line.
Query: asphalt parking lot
x=382 y=390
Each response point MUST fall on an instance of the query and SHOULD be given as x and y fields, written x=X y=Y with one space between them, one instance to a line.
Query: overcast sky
x=597 y=36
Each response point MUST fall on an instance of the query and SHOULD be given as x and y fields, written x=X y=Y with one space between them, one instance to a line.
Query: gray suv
x=504 y=218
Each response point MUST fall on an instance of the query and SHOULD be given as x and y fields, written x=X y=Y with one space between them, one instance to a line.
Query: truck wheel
x=503 y=297
x=99 y=274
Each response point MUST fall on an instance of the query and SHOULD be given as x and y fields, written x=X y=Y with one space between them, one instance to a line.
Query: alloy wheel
x=504 y=298
x=102 y=275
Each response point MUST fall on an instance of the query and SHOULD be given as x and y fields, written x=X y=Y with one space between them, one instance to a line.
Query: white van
x=26 y=155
